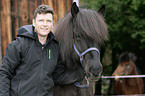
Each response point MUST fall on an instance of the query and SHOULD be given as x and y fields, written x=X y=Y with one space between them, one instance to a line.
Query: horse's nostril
x=96 y=71
x=91 y=69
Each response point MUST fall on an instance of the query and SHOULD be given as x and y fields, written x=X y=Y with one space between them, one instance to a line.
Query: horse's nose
x=96 y=70
x=116 y=78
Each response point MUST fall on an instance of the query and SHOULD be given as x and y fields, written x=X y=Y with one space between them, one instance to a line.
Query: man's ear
x=33 y=21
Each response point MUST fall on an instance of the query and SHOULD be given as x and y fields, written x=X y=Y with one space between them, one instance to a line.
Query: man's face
x=43 y=24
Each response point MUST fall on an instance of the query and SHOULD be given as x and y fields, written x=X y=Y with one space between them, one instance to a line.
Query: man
x=31 y=59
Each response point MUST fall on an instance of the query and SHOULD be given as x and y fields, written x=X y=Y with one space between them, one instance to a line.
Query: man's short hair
x=43 y=9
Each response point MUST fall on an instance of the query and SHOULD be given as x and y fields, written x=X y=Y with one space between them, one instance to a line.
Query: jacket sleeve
x=63 y=76
x=7 y=68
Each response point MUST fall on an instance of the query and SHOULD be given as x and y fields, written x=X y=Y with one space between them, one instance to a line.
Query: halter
x=81 y=61
x=125 y=73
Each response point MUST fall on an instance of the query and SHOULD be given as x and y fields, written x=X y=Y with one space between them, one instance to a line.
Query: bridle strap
x=125 y=73
x=86 y=51
x=81 y=61
x=82 y=86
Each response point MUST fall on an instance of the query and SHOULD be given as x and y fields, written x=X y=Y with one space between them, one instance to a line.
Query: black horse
x=80 y=34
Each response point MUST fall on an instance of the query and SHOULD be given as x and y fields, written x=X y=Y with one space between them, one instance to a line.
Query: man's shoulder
x=25 y=31
x=23 y=41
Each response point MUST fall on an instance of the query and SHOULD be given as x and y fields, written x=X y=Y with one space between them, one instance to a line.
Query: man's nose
x=45 y=23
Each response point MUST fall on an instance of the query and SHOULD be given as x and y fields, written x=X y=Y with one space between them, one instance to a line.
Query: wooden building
x=16 y=13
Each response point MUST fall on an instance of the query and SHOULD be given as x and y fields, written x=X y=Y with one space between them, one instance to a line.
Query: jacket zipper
x=49 y=54
x=41 y=70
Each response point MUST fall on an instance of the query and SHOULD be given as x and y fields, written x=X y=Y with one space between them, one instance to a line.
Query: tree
x=126 y=23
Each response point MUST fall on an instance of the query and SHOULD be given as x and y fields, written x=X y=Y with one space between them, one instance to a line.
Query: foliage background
x=126 y=25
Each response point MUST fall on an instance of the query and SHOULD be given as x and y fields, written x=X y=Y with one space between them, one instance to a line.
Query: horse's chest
x=127 y=86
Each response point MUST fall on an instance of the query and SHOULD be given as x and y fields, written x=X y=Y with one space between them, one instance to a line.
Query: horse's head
x=80 y=34
x=125 y=67
x=88 y=30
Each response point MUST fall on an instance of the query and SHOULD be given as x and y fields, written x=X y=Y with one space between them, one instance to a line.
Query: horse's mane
x=127 y=56
x=89 y=23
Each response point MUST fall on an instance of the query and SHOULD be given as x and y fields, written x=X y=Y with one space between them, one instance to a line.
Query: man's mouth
x=44 y=28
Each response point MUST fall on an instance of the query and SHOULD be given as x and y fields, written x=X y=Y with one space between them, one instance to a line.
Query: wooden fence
x=16 y=13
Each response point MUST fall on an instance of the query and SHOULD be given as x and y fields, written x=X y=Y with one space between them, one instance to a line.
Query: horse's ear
x=102 y=10
x=74 y=9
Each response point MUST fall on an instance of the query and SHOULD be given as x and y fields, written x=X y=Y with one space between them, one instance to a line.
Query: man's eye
x=49 y=21
x=40 y=20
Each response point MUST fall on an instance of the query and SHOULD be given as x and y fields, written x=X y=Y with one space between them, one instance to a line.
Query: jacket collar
x=50 y=37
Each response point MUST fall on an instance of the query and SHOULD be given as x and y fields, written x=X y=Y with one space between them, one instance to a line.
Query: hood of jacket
x=26 y=31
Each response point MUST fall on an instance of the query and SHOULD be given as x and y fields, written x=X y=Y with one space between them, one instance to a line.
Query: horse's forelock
x=64 y=35
x=92 y=25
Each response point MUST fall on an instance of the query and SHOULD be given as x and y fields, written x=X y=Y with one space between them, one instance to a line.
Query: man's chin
x=45 y=32
x=43 y=35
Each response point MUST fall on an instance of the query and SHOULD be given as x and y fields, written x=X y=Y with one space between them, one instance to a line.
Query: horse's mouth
x=116 y=78
x=94 y=77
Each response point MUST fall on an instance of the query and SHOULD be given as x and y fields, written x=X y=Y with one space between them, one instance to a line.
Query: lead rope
x=82 y=86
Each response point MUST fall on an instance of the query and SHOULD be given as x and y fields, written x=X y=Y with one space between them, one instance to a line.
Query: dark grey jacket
x=27 y=68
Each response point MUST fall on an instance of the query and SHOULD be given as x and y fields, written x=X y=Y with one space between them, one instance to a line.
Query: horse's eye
x=78 y=37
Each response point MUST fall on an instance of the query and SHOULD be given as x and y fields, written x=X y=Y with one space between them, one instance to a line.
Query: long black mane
x=90 y=24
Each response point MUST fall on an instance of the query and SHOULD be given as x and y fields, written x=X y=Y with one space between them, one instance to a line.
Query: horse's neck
x=89 y=91
x=132 y=72
x=132 y=81
x=133 y=69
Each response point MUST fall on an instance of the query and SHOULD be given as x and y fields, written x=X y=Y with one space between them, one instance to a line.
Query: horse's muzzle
x=95 y=74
